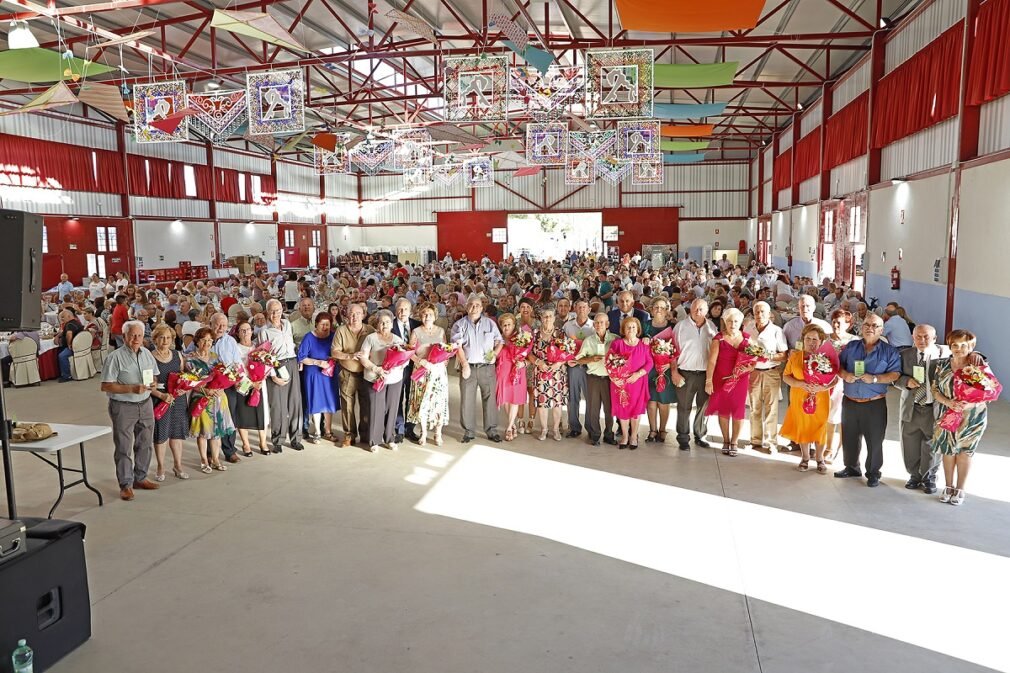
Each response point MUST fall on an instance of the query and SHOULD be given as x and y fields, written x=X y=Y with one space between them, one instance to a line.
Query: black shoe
x=596 y=442
x=413 y=436
x=312 y=440
x=610 y=440
x=847 y=472
x=276 y=448
x=622 y=446
x=574 y=433
x=929 y=487
x=873 y=482
x=467 y=439
x=494 y=437
x=702 y=443
x=298 y=446
x=632 y=447
x=913 y=484
x=398 y=439
x=683 y=446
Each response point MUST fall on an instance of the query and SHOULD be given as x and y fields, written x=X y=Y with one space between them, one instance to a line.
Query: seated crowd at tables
x=362 y=353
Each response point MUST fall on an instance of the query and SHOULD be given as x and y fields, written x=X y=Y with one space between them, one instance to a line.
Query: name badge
x=859 y=367
x=147 y=376
x=798 y=345
x=919 y=373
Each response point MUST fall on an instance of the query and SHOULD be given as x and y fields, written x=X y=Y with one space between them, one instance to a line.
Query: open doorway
x=552 y=235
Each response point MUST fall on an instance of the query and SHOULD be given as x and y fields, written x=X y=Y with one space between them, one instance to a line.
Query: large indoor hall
x=482 y=336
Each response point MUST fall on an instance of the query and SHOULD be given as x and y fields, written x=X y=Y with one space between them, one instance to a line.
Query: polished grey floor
x=322 y=561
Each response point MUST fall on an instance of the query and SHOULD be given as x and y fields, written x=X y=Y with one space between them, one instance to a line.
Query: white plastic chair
x=82 y=365
x=104 y=326
x=25 y=362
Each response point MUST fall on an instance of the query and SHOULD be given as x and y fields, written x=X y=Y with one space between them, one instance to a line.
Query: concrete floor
x=325 y=561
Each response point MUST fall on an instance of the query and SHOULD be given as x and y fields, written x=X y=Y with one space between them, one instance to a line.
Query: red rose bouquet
x=617 y=369
x=396 y=356
x=971 y=384
x=261 y=363
x=178 y=383
x=820 y=369
x=561 y=349
x=750 y=353
x=438 y=354
x=221 y=377
x=518 y=349
x=664 y=352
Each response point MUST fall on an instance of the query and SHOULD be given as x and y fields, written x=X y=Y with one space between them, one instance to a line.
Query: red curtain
x=268 y=189
x=846 y=132
x=782 y=170
x=204 y=182
x=110 y=172
x=29 y=162
x=137 y=167
x=227 y=185
x=989 y=74
x=159 y=184
x=808 y=156
x=920 y=92
x=177 y=176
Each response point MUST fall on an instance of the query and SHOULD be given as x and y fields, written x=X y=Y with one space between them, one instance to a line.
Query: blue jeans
x=64 y=358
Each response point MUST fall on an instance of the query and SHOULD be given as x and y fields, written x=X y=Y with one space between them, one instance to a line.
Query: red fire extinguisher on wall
x=895 y=278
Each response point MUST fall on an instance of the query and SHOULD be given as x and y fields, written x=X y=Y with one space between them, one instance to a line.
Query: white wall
x=161 y=244
x=804 y=235
x=239 y=238
x=423 y=237
x=699 y=233
x=343 y=238
x=779 y=238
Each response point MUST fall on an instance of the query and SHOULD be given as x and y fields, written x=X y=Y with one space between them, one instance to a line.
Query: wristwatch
x=874 y=378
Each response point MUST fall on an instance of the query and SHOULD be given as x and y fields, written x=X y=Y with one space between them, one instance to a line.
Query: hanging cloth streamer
x=693 y=75
x=686 y=130
x=538 y=58
x=683 y=145
x=55 y=96
x=671 y=159
x=687 y=110
x=689 y=16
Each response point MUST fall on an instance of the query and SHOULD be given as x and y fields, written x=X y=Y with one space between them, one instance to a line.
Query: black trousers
x=864 y=421
x=597 y=398
x=690 y=394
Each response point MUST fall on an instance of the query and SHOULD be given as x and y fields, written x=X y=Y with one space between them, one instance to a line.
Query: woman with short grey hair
x=284 y=386
x=384 y=402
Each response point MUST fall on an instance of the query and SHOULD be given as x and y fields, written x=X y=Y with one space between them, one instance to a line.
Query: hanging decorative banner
x=694 y=75
x=687 y=130
x=546 y=143
x=104 y=97
x=219 y=114
x=157 y=101
x=478 y=172
x=58 y=95
x=689 y=16
x=683 y=158
x=257 y=25
x=418 y=26
x=545 y=97
x=638 y=140
x=683 y=145
x=612 y=169
x=687 y=110
x=619 y=83
x=647 y=173
x=170 y=123
x=579 y=171
x=591 y=144
x=416 y=177
x=509 y=28
x=370 y=155
x=476 y=88
x=446 y=174
x=276 y=102
x=332 y=161
x=413 y=149
x=524 y=171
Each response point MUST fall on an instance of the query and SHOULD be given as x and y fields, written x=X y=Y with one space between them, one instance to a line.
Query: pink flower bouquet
x=438 y=354
x=178 y=383
x=261 y=362
x=396 y=356
x=518 y=349
x=819 y=369
x=664 y=352
x=749 y=354
x=617 y=369
x=971 y=384
x=221 y=377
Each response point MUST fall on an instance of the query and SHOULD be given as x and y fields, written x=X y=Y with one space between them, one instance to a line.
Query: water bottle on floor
x=21 y=659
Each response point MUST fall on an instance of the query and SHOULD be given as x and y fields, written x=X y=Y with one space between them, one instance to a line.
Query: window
x=189 y=175
x=241 y=187
x=317 y=238
x=113 y=242
x=829 y=226
x=499 y=235
x=101 y=239
x=96 y=264
x=257 y=190
x=855 y=224
x=45 y=239
x=289 y=238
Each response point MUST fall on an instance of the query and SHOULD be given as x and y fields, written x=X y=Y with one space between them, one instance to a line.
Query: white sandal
x=957 y=498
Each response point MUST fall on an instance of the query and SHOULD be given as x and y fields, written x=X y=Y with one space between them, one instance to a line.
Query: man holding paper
x=869 y=365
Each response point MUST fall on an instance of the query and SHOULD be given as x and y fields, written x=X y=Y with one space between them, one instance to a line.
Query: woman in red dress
x=728 y=394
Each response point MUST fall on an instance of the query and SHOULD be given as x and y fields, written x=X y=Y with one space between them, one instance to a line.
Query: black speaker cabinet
x=44 y=595
x=20 y=270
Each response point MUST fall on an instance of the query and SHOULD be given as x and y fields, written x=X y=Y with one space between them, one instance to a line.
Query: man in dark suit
x=626 y=308
x=403 y=325
x=918 y=409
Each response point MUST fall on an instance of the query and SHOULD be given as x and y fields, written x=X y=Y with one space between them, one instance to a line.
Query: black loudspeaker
x=44 y=594
x=20 y=271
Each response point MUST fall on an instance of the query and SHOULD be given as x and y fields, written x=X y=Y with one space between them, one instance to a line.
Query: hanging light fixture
x=20 y=36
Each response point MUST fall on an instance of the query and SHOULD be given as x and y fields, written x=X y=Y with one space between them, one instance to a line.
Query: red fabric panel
x=159 y=183
x=110 y=173
x=177 y=176
x=268 y=188
x=470 y=233
x=227 y=185
x=29 y=162
x=846 y=132
x=642 y=226
x=137 y=168
x=782 y=171
x=808 y=156
x=204 y=182
x=920 y=92
x=989 y=74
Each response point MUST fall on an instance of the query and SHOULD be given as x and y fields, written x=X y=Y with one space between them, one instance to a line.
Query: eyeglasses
x=872 y=326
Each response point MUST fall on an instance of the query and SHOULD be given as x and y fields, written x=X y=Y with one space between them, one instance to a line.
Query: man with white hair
x=228 y=353
x=766 y=379
x=128 y=377
x=805 y=308
x=480 y=341
x=694 y=337
x=917 y=417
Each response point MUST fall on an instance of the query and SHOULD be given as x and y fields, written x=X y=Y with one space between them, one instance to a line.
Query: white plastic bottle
x=21 y=658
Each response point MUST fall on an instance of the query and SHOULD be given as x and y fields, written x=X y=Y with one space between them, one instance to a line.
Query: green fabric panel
x=44 y=65
x=682 y=145
x=694 y=75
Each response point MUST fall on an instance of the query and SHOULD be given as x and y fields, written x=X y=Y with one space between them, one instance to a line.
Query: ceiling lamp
x=20 y=36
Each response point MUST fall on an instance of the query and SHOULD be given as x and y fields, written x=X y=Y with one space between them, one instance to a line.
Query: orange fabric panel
x=688 y=16
x=686 y=130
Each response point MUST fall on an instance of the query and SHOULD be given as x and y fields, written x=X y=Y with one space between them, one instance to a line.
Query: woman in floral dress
x=428 y=402
x=550 y=381
x=215 y=421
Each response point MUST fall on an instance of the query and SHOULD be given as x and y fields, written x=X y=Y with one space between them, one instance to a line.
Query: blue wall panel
x=924 y=302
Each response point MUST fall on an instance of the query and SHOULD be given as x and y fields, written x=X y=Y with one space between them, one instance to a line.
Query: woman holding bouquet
x=247 y=417
x=725 y=381
x=321 y=400
x=550 y=382
x=383 y=402
x=659 y=400
x=629 y=390
x=958 y=446
x=428 y=401
x=841 y=322
x=802 y=426
x=173 y=427
x=510 y=389
x=214 y=422
x=526 y=320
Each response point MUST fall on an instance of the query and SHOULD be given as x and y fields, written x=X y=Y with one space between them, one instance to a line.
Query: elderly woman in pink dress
x=728 y=389
x=629 y=390
x=510 y=391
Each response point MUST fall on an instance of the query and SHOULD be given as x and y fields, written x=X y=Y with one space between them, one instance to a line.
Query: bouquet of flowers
x=261 y=363
x=971 y=384
x=664 y=352
x=221 y=377
x=820 y=370
x=616 y=368
x=746 y=358
x=561 y=349
x=438 y=354
x=396 y=356
x=178 y=383
x=518 y=348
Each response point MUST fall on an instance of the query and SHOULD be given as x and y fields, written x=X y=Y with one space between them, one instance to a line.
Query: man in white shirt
x=805 y=309
x=694 y=338
x=578 y=328
x=766 y=379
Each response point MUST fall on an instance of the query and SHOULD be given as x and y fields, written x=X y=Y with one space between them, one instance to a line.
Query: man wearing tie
x=917 y=409
x=402 y=327
x=625 y=309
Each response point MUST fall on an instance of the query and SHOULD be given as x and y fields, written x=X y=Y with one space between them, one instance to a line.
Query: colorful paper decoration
x=689 y=158
x=683 y=145
x=104 y=97
x=276 y=102
x=687 y=110
x=446 y=174
x=35 y=64
x=370 y=155
x=219 y=114
x=538 y=58
x=336 y=160
x=580 y=171
x=694 y=75
x=687 y=130
x=545 y=97
x=638 y=140
x=619 y=83
x=170 y=123
x=156 y=101
x=546 y=143
x=55 y=96
x=476 y=88
x=647 y=172
x=132 y=37
x=478 y=172
x=413 y=149
x=524 y=171
x=258 y=25
x=416 y=177
x=689 y=16
x=592 y=145
x=612 y=169
x=509 y=28
x=416 y=25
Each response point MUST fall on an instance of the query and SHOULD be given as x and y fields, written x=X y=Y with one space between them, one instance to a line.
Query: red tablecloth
x=49 y=365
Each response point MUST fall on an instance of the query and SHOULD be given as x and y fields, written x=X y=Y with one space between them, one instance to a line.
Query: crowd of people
x=362 y=355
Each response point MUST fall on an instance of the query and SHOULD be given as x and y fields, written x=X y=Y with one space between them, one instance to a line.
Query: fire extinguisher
x=895 y=278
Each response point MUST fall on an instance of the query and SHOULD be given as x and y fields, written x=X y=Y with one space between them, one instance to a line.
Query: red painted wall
x=63 y=233
x=470 y=233
x=643 y=226
x=303 y=241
